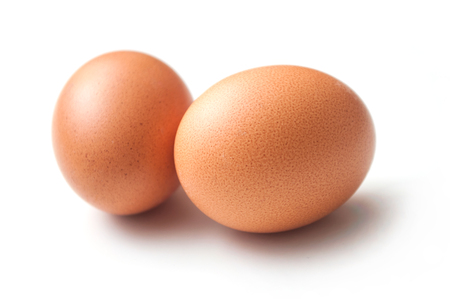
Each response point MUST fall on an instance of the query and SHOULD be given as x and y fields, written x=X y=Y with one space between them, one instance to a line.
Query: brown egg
x=113 y=131
x=274 y=148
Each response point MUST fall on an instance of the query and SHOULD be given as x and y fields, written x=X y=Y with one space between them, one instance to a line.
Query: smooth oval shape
x=113 y=131
x=274 y=148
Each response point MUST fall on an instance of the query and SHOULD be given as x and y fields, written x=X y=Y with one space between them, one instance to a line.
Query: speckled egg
x=274 y=148
x=113 y=131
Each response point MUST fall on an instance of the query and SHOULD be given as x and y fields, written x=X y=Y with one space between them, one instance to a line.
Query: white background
x=390 y=240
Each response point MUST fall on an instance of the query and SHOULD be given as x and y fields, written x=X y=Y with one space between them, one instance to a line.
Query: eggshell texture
x=113 y=131
x=274 y=148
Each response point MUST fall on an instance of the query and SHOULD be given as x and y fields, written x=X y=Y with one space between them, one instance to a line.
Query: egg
x=113 y=131
x=274 y=148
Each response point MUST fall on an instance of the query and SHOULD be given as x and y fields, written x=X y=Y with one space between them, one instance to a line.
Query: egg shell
x=113 y=131
x=274 y=148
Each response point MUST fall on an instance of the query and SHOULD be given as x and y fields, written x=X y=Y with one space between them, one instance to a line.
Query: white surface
x=391 y=240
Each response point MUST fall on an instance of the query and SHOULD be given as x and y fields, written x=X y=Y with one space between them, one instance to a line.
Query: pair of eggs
x=265 y=150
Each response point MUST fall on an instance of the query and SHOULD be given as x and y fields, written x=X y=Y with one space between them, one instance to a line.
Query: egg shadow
x=355 y=224
x=176 y=217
